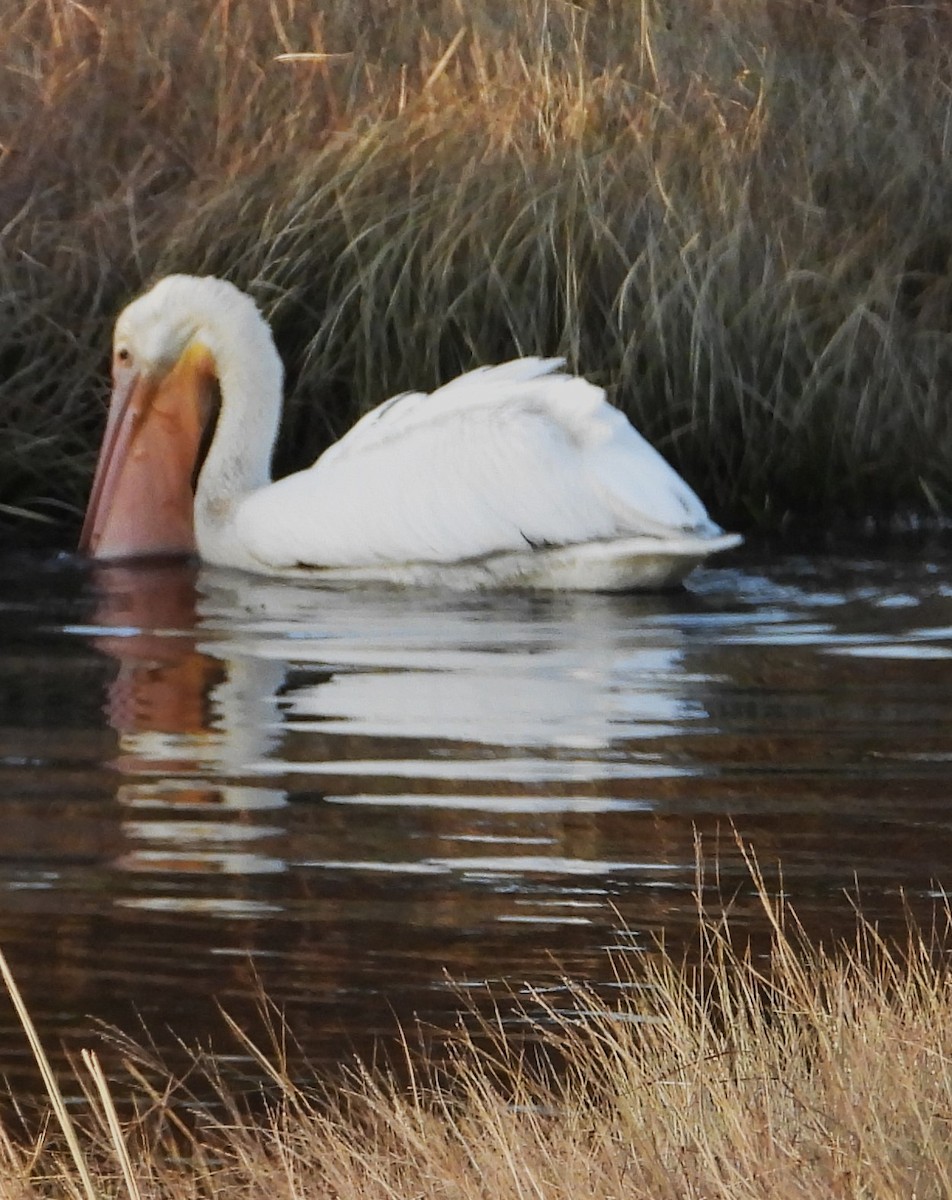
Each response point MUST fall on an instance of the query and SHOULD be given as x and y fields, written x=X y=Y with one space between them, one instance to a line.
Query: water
x=371 y=805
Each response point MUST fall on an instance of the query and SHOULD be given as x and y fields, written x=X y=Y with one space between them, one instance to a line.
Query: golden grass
x=734 y=212
x=798 y=1072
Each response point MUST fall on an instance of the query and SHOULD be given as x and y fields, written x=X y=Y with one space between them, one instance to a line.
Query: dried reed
x=797 y=1072
x=735 y=213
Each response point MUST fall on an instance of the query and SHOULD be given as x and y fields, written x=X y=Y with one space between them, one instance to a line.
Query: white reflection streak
x=562 y=680
x=581 y=679
x=245 y=725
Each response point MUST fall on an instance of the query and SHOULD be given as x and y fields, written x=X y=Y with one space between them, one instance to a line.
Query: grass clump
x=735 y=213
x=800 y=1072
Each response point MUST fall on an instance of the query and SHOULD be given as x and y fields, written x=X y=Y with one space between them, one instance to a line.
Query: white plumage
x=517 y=474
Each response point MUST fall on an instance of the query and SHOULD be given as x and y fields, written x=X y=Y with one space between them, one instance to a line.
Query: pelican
x=516 y=475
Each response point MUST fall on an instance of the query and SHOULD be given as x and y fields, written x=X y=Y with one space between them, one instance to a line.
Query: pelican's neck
x=250 y=378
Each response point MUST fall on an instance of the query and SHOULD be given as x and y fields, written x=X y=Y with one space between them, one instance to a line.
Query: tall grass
x=799 y=1072
x=734 y=213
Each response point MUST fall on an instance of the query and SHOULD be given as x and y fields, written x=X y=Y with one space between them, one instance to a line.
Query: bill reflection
x=186 y=722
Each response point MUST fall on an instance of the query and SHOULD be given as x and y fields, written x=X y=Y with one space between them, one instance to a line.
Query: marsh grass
x=734 y=213
x=798 y=1071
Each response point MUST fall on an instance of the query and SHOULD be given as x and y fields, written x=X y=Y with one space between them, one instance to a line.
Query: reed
x=795 y=1072
x=733 y=213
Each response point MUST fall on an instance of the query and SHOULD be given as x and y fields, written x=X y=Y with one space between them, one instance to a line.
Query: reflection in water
x=211 y=779
x=225 y=679
x=186 y=715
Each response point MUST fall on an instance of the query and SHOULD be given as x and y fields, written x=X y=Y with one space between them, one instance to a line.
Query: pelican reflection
x=236 y=695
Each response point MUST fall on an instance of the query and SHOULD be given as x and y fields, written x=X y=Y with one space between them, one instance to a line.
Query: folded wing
x=506 y=458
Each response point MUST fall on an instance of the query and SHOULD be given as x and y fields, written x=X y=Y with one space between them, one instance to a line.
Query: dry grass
x=796 y=1073
x=734 y=212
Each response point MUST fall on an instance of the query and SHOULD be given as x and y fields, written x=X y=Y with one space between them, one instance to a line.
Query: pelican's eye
x=124 y=355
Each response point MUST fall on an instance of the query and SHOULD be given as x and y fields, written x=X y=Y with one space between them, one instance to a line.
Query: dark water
x=372 y=803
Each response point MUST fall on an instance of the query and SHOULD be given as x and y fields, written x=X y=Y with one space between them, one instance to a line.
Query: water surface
x=370 y=803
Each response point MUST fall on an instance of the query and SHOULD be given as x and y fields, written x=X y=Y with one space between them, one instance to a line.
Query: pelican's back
x=510 y=458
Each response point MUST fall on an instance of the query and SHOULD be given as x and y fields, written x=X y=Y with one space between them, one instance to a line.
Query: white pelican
x=515 y=475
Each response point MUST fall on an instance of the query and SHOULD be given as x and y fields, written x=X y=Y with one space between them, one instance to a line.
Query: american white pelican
x=516 y=475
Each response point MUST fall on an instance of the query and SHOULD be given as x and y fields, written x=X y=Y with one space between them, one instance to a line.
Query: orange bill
x=142 y=497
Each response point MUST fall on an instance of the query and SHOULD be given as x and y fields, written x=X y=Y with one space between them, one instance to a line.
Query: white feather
x=502 y=459
x=516 y=475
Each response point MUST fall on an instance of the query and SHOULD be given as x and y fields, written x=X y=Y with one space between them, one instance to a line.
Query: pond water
x=371 y=805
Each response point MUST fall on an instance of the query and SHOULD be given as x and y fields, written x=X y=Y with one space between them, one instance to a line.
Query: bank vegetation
x=789 y=1071
x=735 y=214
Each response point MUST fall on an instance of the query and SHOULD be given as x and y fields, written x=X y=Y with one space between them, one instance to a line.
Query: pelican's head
x=164 y=390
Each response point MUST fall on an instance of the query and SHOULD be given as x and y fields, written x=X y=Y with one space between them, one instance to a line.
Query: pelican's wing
x=503 y=458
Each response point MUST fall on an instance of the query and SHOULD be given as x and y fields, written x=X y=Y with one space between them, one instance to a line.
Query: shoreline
x=796 y=1068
